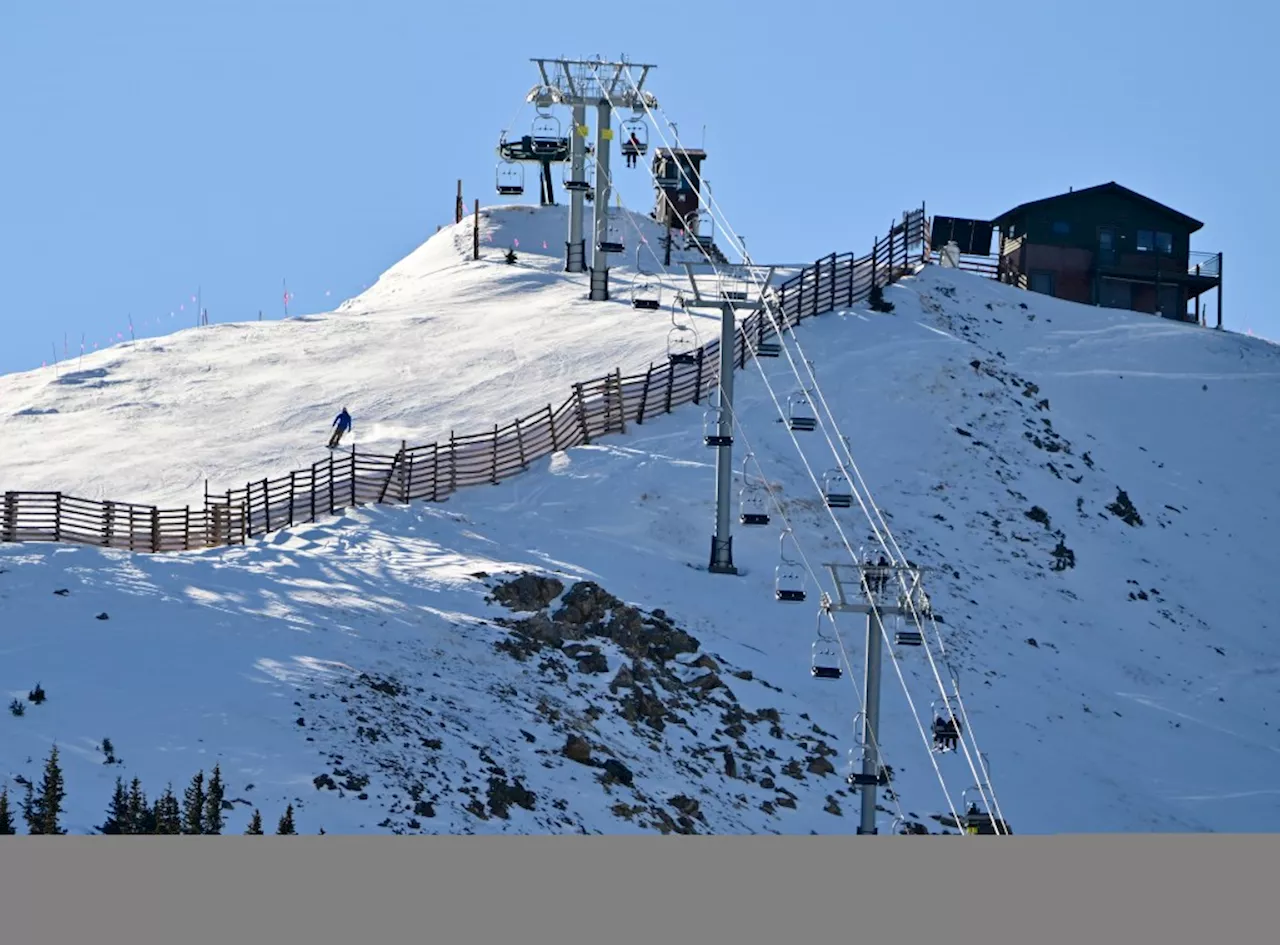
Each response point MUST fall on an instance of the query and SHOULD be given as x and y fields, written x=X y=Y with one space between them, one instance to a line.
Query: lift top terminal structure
x=580 y=84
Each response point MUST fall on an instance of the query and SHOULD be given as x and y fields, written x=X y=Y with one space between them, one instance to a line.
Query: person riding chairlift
x=634 y=151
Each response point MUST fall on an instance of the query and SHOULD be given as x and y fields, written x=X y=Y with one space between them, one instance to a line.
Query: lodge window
x=1154 y=241
x=1061 y=228
x=1042 y=282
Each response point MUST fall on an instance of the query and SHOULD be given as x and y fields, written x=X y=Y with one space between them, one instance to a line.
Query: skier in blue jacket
x=341 y=424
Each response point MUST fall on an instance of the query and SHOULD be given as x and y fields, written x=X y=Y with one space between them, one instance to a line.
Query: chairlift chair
x=836 y=490
x=770 y=348
x=753 y=507
x=824 y=661
x=974 y=819
x=856 y=778
x=510 y=177
x=588 y=175
x=646 y=295
x=711 y=430
x=612 y=243
x=682 y=340
x=946 y=728
x=637 y=127
x=800 y=415
x=908 y=638
x=789 y=577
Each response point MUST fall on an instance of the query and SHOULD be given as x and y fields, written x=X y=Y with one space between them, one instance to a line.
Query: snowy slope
x=440 y=342
x=1133 y=690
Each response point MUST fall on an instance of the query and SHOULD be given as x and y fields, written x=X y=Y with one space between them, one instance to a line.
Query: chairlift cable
x=766 y=307
x=725 y=227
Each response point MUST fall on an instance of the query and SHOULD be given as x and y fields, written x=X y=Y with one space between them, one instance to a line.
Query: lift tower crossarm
x=870 y=582
x=581 y=84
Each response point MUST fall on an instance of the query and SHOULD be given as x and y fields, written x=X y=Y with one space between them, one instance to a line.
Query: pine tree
x=29 y=812
x=285 y=827
x=167 y=813
x=193 y=806
x=213 y=803
x=118 y=811
x=255 y=825
x=6 y=818
x=42 y=812
x=141 y=819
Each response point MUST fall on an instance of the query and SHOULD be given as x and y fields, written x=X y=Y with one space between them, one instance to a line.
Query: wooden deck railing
x=606 y=405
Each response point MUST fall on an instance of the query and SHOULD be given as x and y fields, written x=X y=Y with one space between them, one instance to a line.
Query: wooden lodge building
x=1105 y=245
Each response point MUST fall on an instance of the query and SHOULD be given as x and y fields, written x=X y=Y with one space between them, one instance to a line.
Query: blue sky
x=153 y=149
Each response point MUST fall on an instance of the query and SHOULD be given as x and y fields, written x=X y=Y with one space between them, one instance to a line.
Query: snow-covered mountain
x=1090 y=488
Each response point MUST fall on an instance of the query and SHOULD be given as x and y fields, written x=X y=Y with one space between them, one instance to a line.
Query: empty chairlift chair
x=612 y=242
x=766 y=347
x=547 y=138
x=585 y=184
x=753 y=499
x=682 y=347
x=789 y=577
x=646 y=295
x=907 y=637
x=836 y=490
x=510 y=179
x=682 y=339
x=824 y=661
x=711 y=429
x=800 y=414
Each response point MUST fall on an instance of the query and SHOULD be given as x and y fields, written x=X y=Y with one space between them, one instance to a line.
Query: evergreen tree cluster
x=199 y=812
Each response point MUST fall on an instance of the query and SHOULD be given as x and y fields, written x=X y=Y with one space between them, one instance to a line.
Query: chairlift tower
x=874 y=590
x=733 y=291
x=580 y=84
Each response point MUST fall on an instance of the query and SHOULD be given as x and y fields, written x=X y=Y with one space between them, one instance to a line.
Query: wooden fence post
x=493 y=477
x=57 y=516
x=475 y=233
x=582 y=413
x=313 y=491
x=622 y=402
x=293 y=485
x=353 y=477
x=404 y=479
x=875 y=262
x=453 y=464
x=266 y=505
x=697 y=384
x=644 y=395
x=551 y=420
x=331 y=496
x=520 y=445
x=435 y=472
x=155 y=529
x=408 y=485
x=671 y=382
x=9 y=520
x=186 y=529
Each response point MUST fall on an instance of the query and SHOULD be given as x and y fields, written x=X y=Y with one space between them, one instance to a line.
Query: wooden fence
x=595 y=408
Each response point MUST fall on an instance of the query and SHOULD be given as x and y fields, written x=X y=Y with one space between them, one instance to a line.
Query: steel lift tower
x=580 y=84
x=732 y=290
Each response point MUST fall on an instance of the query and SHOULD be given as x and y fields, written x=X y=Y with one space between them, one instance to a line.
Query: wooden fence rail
x=596 y=408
